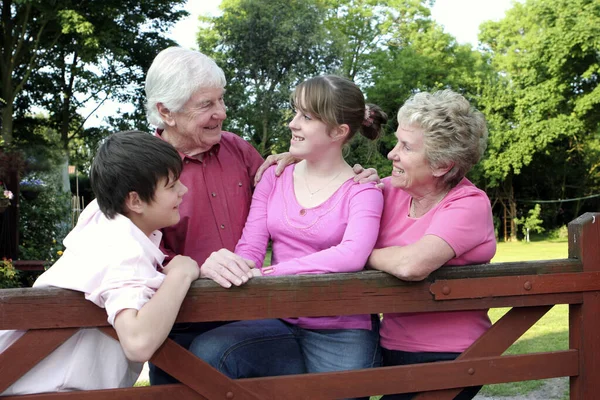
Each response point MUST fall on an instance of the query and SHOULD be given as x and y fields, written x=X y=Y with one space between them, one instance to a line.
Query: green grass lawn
x=551 y=333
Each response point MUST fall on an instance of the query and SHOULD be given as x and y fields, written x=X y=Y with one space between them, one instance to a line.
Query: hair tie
x=368 y=119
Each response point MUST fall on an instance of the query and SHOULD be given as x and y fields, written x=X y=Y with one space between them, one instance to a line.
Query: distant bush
x=559 y=233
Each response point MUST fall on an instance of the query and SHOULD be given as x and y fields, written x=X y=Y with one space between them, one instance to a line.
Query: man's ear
x=438 y=172
x=165 y=114
x=134 y=204
x=340 y=132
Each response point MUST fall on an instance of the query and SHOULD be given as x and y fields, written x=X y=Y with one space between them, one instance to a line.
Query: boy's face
x=163 y=211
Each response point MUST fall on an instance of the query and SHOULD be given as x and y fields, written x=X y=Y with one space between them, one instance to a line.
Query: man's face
x=197 y=126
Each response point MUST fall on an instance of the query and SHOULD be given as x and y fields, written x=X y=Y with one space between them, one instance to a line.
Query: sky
x=460 y=18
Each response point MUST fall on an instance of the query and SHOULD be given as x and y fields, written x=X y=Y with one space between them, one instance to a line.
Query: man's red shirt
x=214 y=209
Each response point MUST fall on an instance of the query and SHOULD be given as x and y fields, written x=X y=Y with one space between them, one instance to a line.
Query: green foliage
x=562 y=232
x=532 y=222
x=45 y=217
x=44 y=222
x=64 y=56
x=9 y=276
x=265 y=49
x=543 y=106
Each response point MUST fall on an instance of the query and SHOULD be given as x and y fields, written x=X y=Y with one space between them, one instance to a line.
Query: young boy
x=112 y=257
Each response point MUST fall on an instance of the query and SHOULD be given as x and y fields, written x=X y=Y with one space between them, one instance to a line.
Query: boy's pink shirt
x=114 y=264
x=336 y=236
x=463 y=219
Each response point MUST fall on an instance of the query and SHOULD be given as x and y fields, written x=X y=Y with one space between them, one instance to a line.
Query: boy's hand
x=185 y=265
x=227 y=268
x=282 y=160
x=366 y=175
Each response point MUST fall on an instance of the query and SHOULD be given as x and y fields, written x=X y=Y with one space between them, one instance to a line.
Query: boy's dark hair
x=131 y=161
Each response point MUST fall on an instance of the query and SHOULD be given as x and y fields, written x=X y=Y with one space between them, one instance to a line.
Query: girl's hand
x=227 y=268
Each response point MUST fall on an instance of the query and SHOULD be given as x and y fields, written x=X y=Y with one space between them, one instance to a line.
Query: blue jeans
x=182 y=334
x=397 y=357
x=272 y=347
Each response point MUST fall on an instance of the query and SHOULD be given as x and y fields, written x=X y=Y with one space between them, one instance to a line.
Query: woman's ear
x=441 y=171
x=134 y=204
x=340 y=132
x=165 y=114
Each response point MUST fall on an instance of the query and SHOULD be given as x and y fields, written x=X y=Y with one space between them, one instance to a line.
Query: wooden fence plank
x=494 y=342
x=416 y=378
x=450 y=289
x=194 y=372
x=29 y=350
x=584 y=325
x=262 y=298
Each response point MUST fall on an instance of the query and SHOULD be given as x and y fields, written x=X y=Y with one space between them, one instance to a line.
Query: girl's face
x=310 y=136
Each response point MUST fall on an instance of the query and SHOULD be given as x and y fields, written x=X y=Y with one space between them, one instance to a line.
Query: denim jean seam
x=251 y=342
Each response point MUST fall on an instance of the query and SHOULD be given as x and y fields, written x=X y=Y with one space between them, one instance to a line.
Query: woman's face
x=411 y=169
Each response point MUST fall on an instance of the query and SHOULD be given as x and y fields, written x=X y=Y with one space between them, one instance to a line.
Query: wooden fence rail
x=530 y=288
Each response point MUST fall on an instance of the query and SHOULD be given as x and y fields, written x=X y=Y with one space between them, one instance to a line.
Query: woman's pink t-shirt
x=463 y=219
x=335 y=236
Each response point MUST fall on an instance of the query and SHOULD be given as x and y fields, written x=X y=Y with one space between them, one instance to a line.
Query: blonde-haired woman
x=433 y=216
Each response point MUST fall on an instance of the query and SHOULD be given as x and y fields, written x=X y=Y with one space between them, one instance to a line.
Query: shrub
x=9 y=276
x=561 y=232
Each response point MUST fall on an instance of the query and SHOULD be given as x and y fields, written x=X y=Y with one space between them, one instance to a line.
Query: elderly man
x=184 y=91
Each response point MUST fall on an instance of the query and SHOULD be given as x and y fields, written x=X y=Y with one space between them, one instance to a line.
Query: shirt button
x=222 y=226
x=213 y=194
x=240 y=184
x=187 y=161
x=303 y=212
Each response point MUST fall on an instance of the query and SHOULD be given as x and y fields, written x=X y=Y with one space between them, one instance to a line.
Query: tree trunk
x=7 y=123
x=512 y=204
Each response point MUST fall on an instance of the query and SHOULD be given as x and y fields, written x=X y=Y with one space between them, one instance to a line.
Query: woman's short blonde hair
x=455 y=133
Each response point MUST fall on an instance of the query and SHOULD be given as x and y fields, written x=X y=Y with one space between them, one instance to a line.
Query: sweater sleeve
x=352 y=252
x=255 y=236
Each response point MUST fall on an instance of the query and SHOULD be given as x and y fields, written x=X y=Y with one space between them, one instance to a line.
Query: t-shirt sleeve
x=351 y=254
x=129 y=284
x=464 y=223
x=255 y=236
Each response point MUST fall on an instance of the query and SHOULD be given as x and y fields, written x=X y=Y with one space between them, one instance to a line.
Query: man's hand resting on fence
x=227 y=268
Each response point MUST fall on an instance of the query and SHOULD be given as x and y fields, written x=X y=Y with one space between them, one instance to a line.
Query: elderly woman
x=433 y=216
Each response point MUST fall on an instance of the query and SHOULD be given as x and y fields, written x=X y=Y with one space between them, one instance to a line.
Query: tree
x=59 y=55
x=265 y=49
x=532 y=222
x=544 y=106
x=418 y=55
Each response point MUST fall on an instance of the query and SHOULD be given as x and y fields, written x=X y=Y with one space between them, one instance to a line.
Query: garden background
x=534 y=74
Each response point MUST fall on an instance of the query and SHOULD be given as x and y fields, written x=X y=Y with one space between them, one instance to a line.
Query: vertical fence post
x=584 y=324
